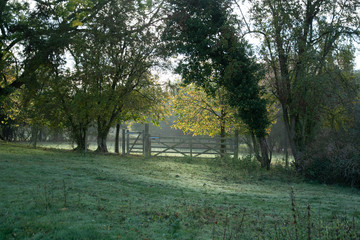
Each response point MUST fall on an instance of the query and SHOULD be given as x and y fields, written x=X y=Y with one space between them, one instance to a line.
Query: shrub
x=247 y=163
x=334 y=158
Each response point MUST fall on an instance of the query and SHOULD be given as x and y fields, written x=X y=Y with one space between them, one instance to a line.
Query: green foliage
x=215 y=57
x=113 y=45
x=115 y=62
x=39 y=35
x=63 y=102
x=33 y=43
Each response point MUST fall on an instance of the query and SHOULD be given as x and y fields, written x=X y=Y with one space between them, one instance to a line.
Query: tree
x=203 y=31
x=110 y=80
x=301 y=42
x=35 y=38
x=202 y=114
x=63 y=101
x=115 y=54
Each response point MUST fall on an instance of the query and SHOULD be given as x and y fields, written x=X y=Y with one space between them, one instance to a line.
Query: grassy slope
x=53 y=194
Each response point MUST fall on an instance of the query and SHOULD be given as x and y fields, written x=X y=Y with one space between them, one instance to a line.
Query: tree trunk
x=222 y=141
x=255 y=147
x=117 y=138
x=80 y=142
x=222 y=133
x=80 y=138
x=40 y=135
x=286 y=147
x=103 y=128
x=102 y=133
x=34 y=135
x=101 y=141
x=290 y=129
x=265 y=160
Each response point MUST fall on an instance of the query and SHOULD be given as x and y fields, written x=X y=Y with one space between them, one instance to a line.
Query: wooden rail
x=147 y=145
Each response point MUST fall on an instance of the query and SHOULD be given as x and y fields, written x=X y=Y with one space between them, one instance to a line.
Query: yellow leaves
x=200 y=114
x=268 y=130
x=8 y=72
x=76 y=23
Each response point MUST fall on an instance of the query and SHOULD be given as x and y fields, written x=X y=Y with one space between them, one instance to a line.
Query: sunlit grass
x=57 y=194
x=277 y=158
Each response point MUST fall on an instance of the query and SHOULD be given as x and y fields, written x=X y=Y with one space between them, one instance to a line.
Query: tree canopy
x=201 y=114
x=301 y=40
x=215 y=56
x=112 y=44
x=36 y=37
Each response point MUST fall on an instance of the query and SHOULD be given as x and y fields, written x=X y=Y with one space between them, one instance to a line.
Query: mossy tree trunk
x=117 y=133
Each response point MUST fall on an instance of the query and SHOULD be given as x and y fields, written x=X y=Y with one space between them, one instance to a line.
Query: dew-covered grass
x=61 y=194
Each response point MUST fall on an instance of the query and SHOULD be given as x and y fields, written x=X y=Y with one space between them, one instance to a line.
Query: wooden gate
x=142 y=143
x=192 y=146
x=134 y=142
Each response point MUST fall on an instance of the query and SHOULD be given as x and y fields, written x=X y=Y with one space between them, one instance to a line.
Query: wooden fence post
x=143 y=142
x=236 y=142
x=191 y=148
x=123 y=142
x=149 y=145
x=117 y=133
x=146 y=142
x=127 y=141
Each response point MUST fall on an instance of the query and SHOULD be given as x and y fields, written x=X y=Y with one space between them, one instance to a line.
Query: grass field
x=58 y=194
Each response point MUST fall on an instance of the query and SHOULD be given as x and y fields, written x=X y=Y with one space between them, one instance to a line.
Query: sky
x=357 y=59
